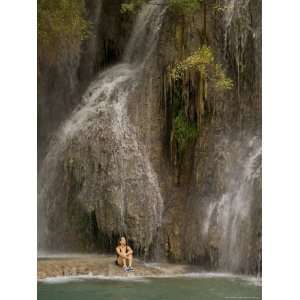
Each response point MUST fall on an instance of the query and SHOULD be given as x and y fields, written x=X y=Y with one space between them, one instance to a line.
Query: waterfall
x=233 y=214
x=234 y=8
x=95 y=162
x=238 y=26
x=145 y=33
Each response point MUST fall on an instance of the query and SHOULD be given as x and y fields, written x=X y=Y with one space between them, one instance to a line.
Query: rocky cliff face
x=229 y=139
x=61 y=85
x=113 y=168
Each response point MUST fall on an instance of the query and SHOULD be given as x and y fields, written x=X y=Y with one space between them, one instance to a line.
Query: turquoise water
x=150 y=289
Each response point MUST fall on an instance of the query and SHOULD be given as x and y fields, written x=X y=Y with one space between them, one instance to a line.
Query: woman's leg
x=121 y=261
x=129 y=260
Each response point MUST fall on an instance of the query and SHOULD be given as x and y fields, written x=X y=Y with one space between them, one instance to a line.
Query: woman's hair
x=119 y=242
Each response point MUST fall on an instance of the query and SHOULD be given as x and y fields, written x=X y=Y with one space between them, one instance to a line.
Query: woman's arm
x=120 y=253
x=129 y=251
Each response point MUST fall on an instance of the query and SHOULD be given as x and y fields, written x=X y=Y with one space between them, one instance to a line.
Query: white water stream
x=105 y=104
x=232 y=212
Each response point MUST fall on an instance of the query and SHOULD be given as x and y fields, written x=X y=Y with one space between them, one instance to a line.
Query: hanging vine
x=189 y=81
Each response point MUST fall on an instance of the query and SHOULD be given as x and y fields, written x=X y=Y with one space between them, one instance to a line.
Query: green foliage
x=220 y=8
x=132 y=6
x=184 y=131
x=198 y=61
x=203 y=61
x=62 y=27
x=222 y=82
x=180 y=7
x=128 y=7
x=184 y=7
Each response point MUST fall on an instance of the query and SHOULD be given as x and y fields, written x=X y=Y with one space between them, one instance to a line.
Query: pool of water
x=186 y=288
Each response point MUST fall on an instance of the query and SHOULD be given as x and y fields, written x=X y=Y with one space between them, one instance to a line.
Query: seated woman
x=124 y=255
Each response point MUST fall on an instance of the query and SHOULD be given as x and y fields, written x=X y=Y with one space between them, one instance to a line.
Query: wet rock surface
x=104 y=265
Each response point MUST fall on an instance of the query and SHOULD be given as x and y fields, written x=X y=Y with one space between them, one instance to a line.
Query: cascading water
x=231 y=217
x=239 y=31
x=96 y=164
x=233 y=220
x=236 y=10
